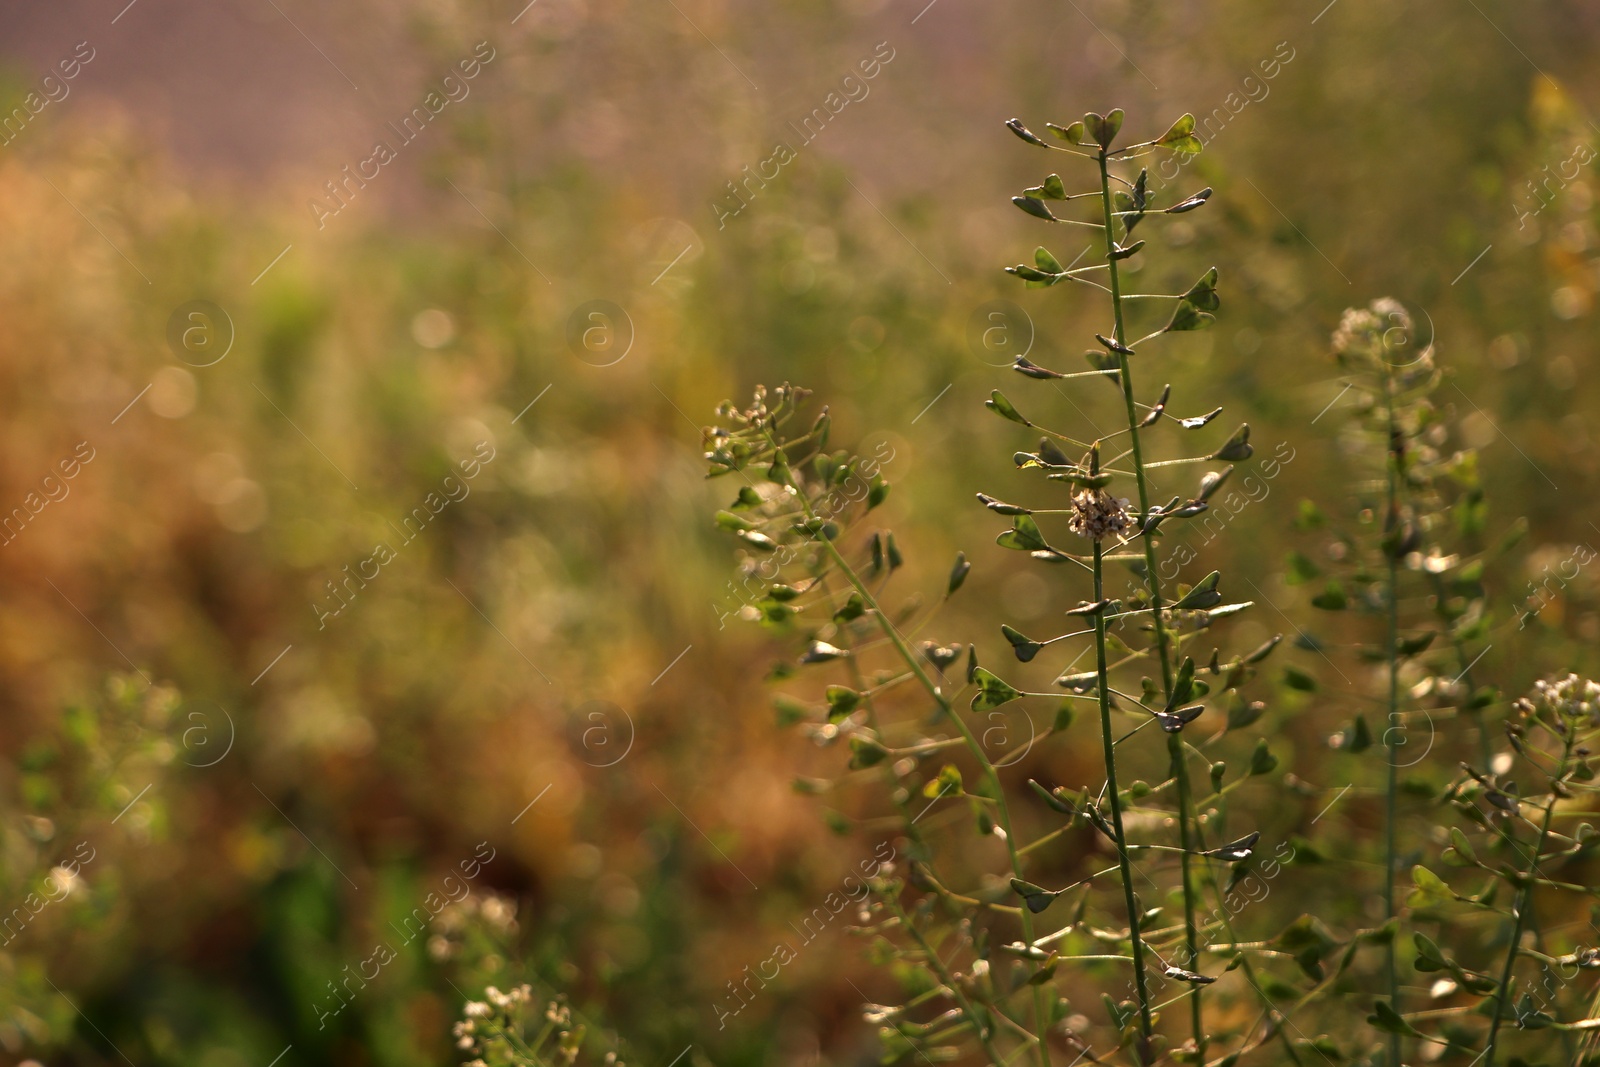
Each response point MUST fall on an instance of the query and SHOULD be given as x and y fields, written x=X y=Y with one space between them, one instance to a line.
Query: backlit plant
x=985 y=960
x=1497 y=976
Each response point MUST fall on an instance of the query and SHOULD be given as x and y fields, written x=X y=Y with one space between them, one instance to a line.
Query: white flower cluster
x=478 y=1009
x=1363 y=328
x=1571 y=697
x=450 y=926
x=1096 y=514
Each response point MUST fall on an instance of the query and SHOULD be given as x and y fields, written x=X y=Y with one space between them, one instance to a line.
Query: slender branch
x=1153 y=583
x=1002 y=811
x=1524 y=904
x=1115 y=798
x=1393 y=736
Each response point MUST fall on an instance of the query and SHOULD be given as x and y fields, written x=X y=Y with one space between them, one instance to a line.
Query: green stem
x=1233 y=937
x=1523 y=902
x=1394 y=734
x=1180 y=767
x=1109 y=744
x=1441 y=596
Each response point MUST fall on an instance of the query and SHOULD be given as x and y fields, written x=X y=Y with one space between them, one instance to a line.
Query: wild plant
x=101 y=762
x=1412 y=570
x=980 y=965
x=1529 y=978
x=522 y=1025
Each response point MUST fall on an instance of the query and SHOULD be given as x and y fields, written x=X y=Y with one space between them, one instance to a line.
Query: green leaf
x=790 y=710
x=998 y=404
x=1050 y=189
x=1064 y=716
x=1036 y=279
x=1188 y=317
x=948 y=781
x=1102 y=361
x=1055 y=798
x=1046 y=971
x=1035 y=207
x=1125 y=253
x=1203 y=293
x=1388 y=1020
x=1103 y=128
x=1212 y=481
x=993 y=690
x=1024 y=535
x=866 y=753
x=958 y=573
x=1307 y=934
x=1295 y=678
x=1182 y=684
x=1301 y=569
x=1016 y=127
x=1050 y=453
x=1430 y=891
x=1429 y=957
x=1237 y=446
x=1174 y=721
x=1046 y=261
x=878 y=493
x=1203 y=595
x=1023 y=646
x=1072 y=134
x=1332 y=598
x=1000 y=507
x=1184 y=127
x=842 y=700
x=1459 y=842
x=1262 y=761
x=1410 y=646
x=1242 y=713
x=1264 y=650
x=1191 y=203
x=1359 y=737
x=727 y=520
x=1186 y=146
x=1024 y=365
x=852 y=609
x=1036 y=897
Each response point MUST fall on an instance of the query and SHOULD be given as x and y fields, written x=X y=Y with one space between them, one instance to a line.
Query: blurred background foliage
x=143 y=608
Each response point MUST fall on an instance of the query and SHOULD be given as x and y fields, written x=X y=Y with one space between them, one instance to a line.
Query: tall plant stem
x=1524 y=901
x=1108 y=742
x=1153 y=582
x=1394 y=734
x=1041 y=1014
